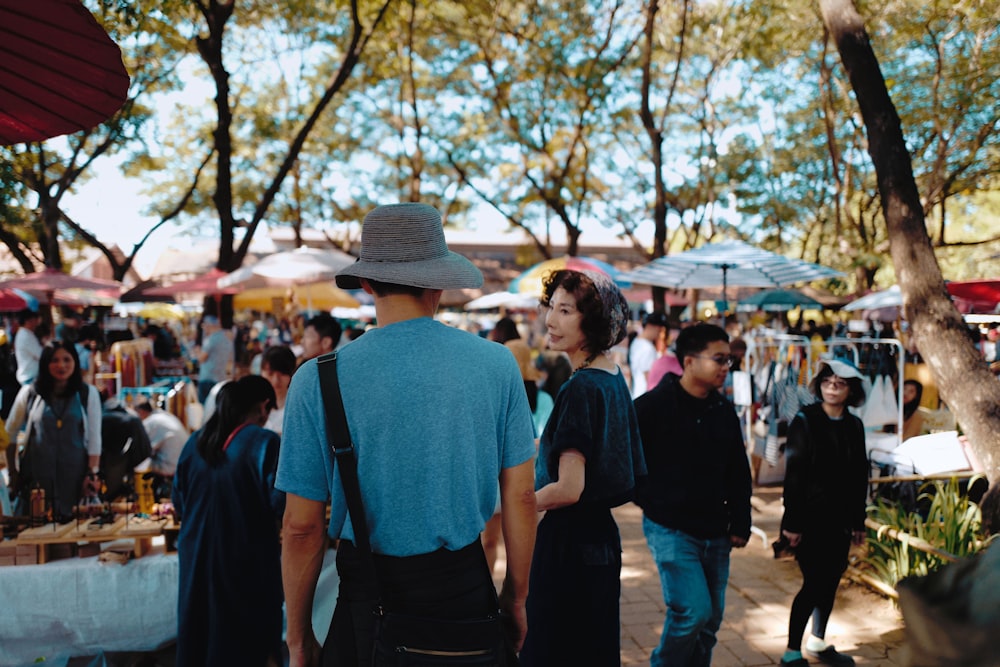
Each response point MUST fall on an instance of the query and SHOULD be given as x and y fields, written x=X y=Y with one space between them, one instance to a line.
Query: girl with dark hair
x=588 y=460
x=62 y=419
x=913 y=419
x=229 y=606
x=826 y=490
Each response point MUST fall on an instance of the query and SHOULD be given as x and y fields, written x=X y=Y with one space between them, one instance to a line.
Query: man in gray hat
x=437 y=416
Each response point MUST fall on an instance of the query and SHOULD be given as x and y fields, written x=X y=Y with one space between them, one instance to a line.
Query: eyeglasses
x=720 y=359
x=833 y=384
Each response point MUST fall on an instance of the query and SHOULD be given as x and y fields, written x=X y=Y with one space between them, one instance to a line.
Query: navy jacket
x=698 y=474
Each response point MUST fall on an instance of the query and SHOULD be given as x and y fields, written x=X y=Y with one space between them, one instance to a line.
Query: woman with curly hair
x=588 y=461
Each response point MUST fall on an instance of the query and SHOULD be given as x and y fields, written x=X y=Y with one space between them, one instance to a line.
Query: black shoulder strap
x=339 y=438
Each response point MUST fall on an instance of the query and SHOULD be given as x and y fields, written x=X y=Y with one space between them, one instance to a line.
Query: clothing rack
x=762 y=349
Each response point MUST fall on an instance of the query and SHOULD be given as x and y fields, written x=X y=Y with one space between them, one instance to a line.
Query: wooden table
x=90 y=531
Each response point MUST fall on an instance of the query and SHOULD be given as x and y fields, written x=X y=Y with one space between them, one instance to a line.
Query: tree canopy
x=699 y=118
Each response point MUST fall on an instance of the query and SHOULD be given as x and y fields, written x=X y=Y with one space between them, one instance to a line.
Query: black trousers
x=442 y=584
x=822 y=558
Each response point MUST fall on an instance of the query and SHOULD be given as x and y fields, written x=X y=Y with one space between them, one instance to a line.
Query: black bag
x=402 y=640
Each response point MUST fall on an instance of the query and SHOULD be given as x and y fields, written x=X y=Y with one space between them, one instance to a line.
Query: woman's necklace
x=64 y=404
x=586 y=362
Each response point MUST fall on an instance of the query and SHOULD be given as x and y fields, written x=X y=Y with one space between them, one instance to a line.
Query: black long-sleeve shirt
x=698 y=474
x=826 y=472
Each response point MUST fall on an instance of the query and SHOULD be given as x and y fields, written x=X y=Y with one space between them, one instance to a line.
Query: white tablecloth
x=80 y=607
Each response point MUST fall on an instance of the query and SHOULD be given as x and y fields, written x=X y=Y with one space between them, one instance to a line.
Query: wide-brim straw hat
x=404 y=244
x=522 y=353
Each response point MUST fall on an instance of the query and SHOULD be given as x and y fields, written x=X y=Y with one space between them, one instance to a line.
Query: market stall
x=82 y=607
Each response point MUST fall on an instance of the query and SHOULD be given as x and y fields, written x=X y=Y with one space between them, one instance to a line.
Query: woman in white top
x=62 y=418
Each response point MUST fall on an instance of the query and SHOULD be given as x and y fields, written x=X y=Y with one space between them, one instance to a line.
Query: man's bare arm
x=520 y=519
x=303 y=540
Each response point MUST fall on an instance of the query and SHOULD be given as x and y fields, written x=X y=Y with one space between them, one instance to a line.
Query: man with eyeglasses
x=696 y=498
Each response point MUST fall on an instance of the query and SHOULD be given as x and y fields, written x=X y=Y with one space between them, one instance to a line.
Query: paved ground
x=754 y=631
x=864 y=624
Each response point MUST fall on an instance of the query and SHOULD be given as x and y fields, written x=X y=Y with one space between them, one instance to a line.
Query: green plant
x=951 y=523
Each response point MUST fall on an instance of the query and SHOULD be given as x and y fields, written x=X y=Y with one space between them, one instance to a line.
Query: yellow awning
x=318 y=296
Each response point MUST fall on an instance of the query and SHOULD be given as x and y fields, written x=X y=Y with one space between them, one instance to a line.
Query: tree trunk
x=939 y=331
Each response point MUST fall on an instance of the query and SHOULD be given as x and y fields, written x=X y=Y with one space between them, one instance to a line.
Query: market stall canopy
x=318 y=296
x=293 y=267
x=727 y=263
x=885 y=305
x=507 y=300
x=983 y=295
x=139 y=293
x=60 y=72
x=161 y=311
x=50 y=280
x=777 y=300
x=530 y=280
x=205 y=284
x=887 y=298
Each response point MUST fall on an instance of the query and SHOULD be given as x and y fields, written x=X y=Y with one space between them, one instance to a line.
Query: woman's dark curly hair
x=595 y=325
x=855 y=387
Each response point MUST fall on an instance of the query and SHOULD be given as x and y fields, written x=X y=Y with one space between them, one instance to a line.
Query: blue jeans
x=693 y=575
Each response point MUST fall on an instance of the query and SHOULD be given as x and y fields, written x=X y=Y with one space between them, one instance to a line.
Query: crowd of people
x=460 y=443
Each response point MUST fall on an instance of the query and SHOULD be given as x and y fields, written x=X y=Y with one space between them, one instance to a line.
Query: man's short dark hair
x=278 y=358
x=656 y=318
x=387 y=289
x=694 y=339
x=327 y=326
x=26 y=315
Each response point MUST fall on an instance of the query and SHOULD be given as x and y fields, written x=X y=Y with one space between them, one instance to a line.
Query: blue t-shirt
x=434 y=413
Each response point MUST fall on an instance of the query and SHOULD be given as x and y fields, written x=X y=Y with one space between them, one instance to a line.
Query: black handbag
x=403 y=640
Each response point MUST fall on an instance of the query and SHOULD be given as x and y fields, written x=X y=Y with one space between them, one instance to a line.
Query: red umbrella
x=983 y=294
x=12 y=300
x=60 y=72
x=203 y=284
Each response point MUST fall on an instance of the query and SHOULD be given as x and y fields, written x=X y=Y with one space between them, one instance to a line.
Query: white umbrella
x=885 y=305
x=727 y=263
x=502 y=300
x=293 y=267
x=887 y=298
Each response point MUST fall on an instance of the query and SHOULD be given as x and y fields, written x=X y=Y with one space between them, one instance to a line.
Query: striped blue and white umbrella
x=727 y=263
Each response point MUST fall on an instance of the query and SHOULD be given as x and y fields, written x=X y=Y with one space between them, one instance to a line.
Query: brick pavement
x=864 y=625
